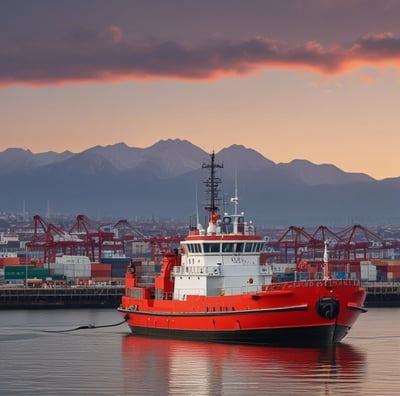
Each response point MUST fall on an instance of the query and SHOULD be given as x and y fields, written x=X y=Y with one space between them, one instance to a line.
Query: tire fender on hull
x=328 y=307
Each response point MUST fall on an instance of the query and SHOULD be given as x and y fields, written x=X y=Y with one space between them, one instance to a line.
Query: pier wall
x=60 y=297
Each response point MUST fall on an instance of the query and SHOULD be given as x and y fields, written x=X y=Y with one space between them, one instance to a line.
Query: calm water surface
x=107 y=361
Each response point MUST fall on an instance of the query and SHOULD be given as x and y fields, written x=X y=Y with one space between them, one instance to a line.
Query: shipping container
x=101 y=271
x=7 y=261
x=67 y=259
x=393 y=267
x=115 y=260
x=77 y=270
x=19 y=272
x=393 y=276
x=72 y=266
x=368 y=271
x=97 y=266
x=56 y=268
x=118 y=271
x=57 y=277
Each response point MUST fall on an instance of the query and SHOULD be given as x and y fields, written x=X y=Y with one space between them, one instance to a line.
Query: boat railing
x=311 y=283
x=287 y=286
x=161 y=295
x=196 y=270
x=313 y=276
x=231 y=291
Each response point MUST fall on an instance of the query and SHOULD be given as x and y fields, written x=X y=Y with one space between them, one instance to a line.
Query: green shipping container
x=21 y=272
x=15 y=272
x=57 y=277
x=39 y=273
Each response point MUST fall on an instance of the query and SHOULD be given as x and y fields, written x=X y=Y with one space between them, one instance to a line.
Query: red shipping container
x=393 y=268
x=5 y=261
x=99 y=266
x=393 y=275
x=100 y=270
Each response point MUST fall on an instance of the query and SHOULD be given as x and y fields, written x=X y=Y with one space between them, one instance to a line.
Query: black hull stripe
x=216 y=313
x=314 y=336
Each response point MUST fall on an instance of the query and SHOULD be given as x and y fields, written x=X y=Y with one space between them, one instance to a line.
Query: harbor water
x=38 y=360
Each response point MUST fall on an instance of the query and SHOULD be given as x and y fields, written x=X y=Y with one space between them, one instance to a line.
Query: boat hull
x=313 y=336
x=288 y=316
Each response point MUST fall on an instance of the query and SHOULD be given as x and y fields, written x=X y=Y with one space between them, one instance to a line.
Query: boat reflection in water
x=183 y=367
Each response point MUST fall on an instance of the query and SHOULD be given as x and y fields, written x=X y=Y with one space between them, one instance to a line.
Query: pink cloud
x=112 y=34
x=366 y=77
x=85 y=57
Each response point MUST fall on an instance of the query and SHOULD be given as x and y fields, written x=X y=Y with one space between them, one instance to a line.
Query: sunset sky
x=292 y=79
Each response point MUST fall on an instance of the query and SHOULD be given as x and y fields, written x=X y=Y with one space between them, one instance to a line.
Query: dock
x=382 y=294
x=61 y=297
x=379 y=294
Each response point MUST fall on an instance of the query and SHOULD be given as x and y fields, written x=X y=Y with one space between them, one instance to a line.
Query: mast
x=325 y=267
x=212 y=189
x=235 y=201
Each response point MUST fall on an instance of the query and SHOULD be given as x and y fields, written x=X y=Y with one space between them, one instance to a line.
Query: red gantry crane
x=97 y=237
x=350 y=245
x=52 y=240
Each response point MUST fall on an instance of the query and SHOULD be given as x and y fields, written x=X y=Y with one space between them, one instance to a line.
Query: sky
x=291 y=79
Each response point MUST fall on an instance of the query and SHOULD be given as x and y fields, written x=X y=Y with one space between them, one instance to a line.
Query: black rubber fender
x=328 y=307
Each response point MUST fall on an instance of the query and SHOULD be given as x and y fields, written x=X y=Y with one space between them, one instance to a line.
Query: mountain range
x=165 y=179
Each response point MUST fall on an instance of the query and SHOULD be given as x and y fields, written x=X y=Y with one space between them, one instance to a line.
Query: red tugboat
x=216 y=289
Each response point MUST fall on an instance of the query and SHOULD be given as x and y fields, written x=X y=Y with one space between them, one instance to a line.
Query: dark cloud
x=86 y=56
x=383 y=45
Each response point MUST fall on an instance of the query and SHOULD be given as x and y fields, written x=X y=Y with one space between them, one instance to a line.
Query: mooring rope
x=89 y=326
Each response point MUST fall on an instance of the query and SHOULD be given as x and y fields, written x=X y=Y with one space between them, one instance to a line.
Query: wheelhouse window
x=239 y=247
x=211 y=248
x=248 y=247
x=227 y=247
x=194 y=247
x=227 y=225
x=254 y=247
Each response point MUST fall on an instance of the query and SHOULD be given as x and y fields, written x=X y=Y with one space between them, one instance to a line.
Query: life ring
x=250 y=280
